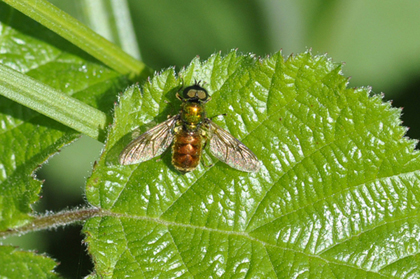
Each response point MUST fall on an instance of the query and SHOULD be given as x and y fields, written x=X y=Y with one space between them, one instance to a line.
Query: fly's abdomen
x=186 y=150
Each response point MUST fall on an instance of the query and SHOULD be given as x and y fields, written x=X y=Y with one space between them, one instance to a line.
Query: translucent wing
x=150 y=144
x=230 y=150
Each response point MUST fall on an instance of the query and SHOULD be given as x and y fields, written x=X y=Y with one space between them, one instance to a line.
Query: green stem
x=53 y=221
x=81 y=36
x=52 y=103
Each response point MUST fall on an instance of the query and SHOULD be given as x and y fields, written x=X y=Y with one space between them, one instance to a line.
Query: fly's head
x=194 y=93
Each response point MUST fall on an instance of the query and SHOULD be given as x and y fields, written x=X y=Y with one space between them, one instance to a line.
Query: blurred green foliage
x=378 y=40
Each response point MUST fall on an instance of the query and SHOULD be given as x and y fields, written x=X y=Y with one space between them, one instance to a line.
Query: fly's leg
x=205 y=164
x=222 y=114
x=180 y=88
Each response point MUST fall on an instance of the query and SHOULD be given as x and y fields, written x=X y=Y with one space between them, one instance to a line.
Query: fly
x=190 y=130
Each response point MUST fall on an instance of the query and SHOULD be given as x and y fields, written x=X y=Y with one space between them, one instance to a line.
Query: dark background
x=379 y=41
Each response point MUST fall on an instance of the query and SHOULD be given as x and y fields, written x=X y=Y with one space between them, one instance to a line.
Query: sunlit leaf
x=336 y=196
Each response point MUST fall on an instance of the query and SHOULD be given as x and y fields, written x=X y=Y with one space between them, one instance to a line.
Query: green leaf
x=337 y=195
x=19 y=264
x=28 y=138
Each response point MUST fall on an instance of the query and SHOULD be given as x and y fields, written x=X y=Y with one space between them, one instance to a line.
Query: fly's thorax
x=192 y=113
x=187 y=148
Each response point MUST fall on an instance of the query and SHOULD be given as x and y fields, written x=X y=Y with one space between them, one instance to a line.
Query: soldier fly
x=190 y=130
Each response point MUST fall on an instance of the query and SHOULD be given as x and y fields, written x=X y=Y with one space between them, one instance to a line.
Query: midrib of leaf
x=245 y=235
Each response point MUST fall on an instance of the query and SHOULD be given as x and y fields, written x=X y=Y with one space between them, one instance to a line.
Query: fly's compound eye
x=195 y=92
x=202 y=95
x=191 y=93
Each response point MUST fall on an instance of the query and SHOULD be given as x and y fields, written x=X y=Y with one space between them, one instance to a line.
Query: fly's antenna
x=198 y=83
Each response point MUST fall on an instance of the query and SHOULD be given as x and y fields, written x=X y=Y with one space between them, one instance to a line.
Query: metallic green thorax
x=192 y=114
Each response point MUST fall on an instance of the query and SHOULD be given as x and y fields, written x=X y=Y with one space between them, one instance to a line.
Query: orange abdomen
x=186 y=150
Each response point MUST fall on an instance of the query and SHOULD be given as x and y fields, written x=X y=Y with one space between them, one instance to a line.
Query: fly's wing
x=150 y=144
x=230 y=150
